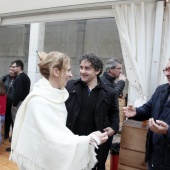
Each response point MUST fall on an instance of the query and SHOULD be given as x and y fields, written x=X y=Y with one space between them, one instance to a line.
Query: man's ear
x=97 y=72
x=56 y=72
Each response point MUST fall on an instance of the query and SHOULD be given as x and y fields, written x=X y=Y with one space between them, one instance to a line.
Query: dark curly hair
x=95 y=62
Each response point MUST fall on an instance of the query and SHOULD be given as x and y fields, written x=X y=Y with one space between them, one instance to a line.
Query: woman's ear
x=56 y=72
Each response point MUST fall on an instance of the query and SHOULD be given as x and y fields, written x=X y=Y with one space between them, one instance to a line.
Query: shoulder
x=25 y=76
x=104 y=79
x=109 y=91
x=163 y=87
x=5 y=77
x=22 y=77
x=37 y=102
x=72 y=83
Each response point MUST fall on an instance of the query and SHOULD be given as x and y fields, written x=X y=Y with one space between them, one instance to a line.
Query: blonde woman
x=40 y=140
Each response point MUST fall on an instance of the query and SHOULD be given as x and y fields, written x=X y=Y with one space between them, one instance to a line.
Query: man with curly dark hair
x=92 y=105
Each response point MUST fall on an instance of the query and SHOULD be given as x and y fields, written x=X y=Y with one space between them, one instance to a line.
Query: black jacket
x=21 y=88
x=157 y=146
x=8 y=85
x=107 y=112
x=107 y=79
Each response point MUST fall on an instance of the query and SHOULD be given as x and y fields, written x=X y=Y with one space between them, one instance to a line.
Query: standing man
x=20 y=90
x=21 y=86
x=91 y=105
x=113 y=70
x=8 y=80
x=157 y=110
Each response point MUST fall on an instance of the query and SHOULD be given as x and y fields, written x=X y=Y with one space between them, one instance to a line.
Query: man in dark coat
x=92 y=105
x=157 y=110
x=113 y=70
x=20 y=90
x=8 y=80
x=21 y=86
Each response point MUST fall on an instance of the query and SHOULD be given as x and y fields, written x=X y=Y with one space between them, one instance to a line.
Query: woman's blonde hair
x=53 y=60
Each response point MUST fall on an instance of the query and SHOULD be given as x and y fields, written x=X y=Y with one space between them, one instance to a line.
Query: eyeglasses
x=166 y=70
x=13 y=66
x=118 y=68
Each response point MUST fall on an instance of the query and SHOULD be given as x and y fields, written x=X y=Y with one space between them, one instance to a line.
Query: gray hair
x=111 y=64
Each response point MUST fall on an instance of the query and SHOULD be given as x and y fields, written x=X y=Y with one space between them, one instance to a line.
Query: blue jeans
x=2 y=120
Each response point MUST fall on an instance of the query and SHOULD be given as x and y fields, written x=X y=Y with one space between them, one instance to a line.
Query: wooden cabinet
x=122 y=117
x=132 y=146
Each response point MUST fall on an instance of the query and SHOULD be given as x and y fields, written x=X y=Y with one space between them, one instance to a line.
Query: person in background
x=20 y=90
x=8 y=80
x=21 y=86
x=40 y=140
x=92 y=105
x=2 y=108
x=113 y=70
x=157 y=111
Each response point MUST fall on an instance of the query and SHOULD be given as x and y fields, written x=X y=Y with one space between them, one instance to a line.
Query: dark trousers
x=8 y=119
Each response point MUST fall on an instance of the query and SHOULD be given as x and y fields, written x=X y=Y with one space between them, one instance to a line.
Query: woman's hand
x=98 y=137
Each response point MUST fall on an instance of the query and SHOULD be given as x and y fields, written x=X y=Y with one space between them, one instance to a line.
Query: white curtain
x=165 y=55
x=135 y=22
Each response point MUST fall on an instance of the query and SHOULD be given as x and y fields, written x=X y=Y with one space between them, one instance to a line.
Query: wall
x=99 y=36
x=13 y=45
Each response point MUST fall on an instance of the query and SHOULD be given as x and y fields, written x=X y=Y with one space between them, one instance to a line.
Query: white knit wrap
x=40 y=139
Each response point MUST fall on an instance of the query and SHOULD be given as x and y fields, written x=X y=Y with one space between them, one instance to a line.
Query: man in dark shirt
x=92 y=105
x=21 y=86
x=20 y=90
x=8 y=80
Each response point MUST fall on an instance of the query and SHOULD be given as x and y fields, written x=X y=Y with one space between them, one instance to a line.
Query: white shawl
x=40 y=139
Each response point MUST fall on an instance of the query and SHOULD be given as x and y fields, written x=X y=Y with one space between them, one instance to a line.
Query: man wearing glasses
x=21 y=88
x=113 y=70
x=157 y=111
x=8 y=80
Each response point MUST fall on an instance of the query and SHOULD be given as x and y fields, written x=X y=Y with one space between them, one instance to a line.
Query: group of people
x=16 y=86
x=62 y=124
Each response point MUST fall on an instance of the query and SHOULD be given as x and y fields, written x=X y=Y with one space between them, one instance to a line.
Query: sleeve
x=17 y=92
x=119 y=87
x=3 y=78
x=144 y=112
x=114 y=112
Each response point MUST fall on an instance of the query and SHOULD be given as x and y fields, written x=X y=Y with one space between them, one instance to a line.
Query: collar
x=99 y=85
x=110 y=78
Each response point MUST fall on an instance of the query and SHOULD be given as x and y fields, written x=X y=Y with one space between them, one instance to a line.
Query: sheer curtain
x=165 y=55
x=135 y=22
